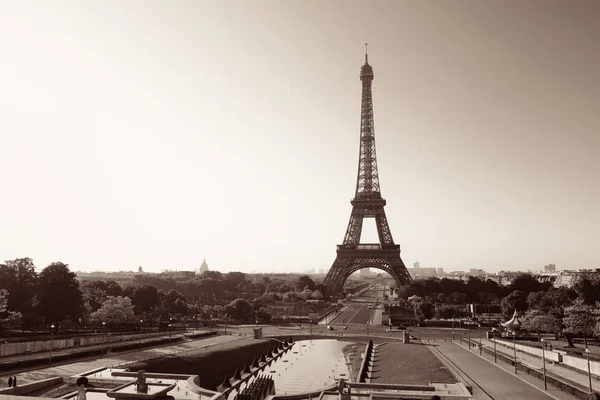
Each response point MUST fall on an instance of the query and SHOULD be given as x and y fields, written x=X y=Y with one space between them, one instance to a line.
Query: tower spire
x=366 y=53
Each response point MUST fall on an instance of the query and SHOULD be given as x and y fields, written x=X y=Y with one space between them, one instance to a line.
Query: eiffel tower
x=367 y=203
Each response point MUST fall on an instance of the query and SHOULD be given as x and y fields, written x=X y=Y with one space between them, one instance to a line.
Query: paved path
x=497 y=382
x=113 y=360
x=555 y=370
x=377 y=316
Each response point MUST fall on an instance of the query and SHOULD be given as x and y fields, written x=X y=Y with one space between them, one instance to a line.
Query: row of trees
x=474 y=290
x=569 y=311
x=55 y=295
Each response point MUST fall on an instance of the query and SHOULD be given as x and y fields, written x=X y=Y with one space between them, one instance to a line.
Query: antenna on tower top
x=366 y=53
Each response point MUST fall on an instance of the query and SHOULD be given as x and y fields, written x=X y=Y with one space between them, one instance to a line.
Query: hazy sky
x=156 y=133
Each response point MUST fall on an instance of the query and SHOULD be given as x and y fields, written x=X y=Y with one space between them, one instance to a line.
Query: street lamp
x=453 y=330
x=495 y=354
x=52 y=343
x=480 y=349
x=514 y=333
x=468 y=323
x=587 y=353
x=544 y=361
x=170 y=323
x=141 y=327
x=226 y=316
x=103 y=339
x=80 y=329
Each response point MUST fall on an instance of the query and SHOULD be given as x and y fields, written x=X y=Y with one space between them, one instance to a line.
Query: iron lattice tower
x=367 y=203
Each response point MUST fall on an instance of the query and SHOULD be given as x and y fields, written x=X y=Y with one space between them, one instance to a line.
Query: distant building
x=567 y=278
x=422 y=273
x=365 y=272
x=203 y=267
x=550 y=268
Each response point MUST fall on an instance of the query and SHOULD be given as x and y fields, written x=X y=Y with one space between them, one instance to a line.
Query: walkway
x=114 y=360
x=531 y=361
x=495 y=382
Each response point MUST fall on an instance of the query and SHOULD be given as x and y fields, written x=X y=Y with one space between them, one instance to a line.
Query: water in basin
x=311 y=365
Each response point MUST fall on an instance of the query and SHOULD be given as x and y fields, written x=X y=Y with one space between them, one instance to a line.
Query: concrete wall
x=580 y=363
x=30 y=387
x=11 y=349
x=550 y=354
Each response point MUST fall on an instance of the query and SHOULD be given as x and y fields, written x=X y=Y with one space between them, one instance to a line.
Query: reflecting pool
x=309 y=365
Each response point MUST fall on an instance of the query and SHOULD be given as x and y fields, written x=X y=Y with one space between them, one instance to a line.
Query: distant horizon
x=375 y=270
x=130 y=136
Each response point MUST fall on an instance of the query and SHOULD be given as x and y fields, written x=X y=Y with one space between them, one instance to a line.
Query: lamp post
x=226 y=324
x=468 y=323
x=52 y=343
x=514 y=333
x=80 y=329
x=453 y=330
x=544 y=362
x=495 y=354
x=170 y=323
x=141 y=327
x=480 y=349
x=587 y=353
x=103 y=339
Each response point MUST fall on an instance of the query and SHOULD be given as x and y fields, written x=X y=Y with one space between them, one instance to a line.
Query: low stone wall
x=551 y=355
x=12 y=349
x=333 y=310
x=31 y=387
x=580 y=363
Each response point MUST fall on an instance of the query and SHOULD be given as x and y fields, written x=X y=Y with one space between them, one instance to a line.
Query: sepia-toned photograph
x=300 y=199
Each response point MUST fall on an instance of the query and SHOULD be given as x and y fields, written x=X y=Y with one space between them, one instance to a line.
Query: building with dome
x=203 y=267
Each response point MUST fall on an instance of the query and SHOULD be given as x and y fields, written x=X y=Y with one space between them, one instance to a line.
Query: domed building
x=203 y=267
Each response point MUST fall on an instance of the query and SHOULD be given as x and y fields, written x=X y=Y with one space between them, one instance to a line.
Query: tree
x=304 y=282
x=305 y=294
x=3 y=300
x=19 y=276
x=8 y=319
x=289 y=297
x=449 y=311
x=240 y=310
x=115 y=311
x=579 y=320
x=516 y=301
x=587 y=288
x=93 y=295
x=58 y=293
x=538 y=321
x=263 y=316
x=145 y=299
x=317 y=295
x=235 y=278
x=528 y=283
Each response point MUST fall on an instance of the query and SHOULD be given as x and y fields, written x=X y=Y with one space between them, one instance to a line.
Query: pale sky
x=157 y=133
